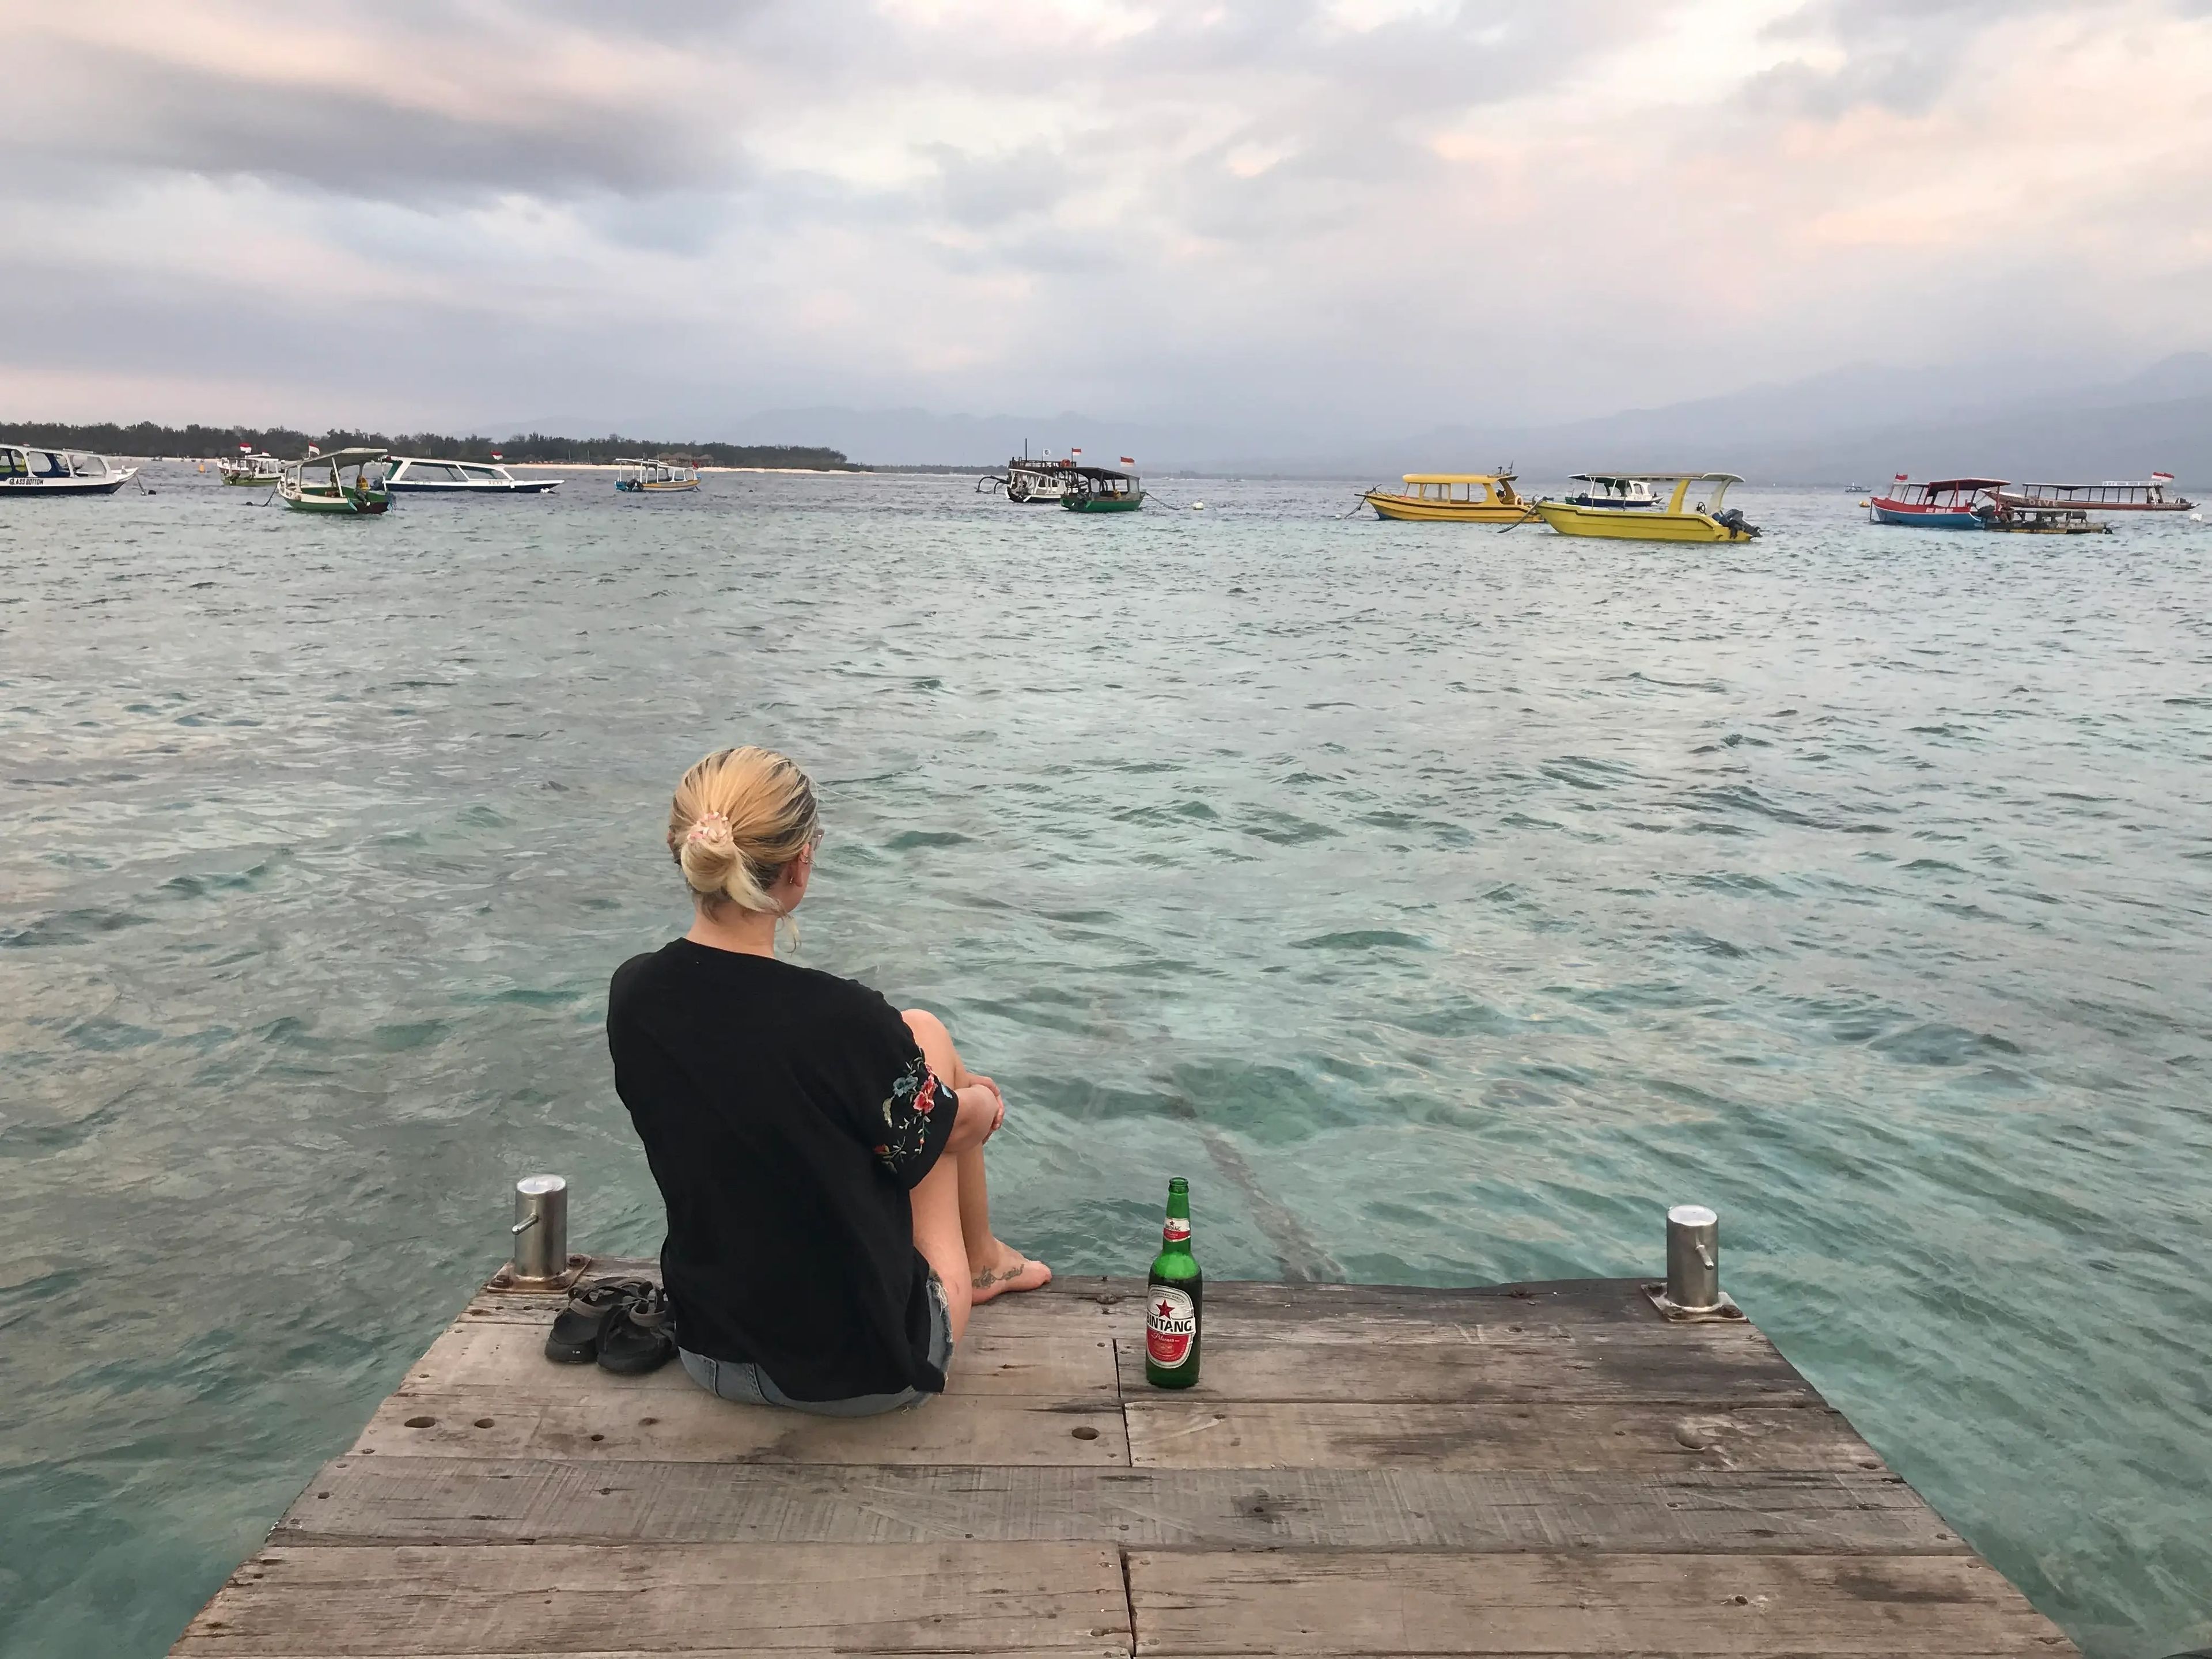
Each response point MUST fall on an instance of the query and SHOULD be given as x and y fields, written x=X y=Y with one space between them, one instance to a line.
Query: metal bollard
x=1694 y=1258
x=541 y=1231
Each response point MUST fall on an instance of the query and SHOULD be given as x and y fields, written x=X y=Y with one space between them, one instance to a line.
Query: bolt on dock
x=1540 y=1469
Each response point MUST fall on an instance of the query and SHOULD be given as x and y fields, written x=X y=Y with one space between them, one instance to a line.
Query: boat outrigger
x=655 y=478
x=252 y=469
x=2156 y=494
x=1939 y=504
x=1602 y=490
x=30 y=470
x=340 y=481
x=1679 y=520
x=1451 y=497
x=1101 y=489
x=413 y=475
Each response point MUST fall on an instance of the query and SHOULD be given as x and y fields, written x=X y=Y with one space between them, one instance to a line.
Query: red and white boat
x=2156 y=494
x=1942 y=504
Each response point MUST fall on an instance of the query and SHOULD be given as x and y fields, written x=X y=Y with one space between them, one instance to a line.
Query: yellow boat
x=1680 y=521
x=1457 y=497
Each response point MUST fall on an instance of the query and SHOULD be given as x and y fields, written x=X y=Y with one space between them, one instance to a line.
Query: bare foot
x=1009 y=1270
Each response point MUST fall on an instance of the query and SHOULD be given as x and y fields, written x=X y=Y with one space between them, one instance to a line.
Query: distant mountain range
x=1831 y=428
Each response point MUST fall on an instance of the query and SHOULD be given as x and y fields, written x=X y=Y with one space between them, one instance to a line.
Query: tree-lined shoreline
x=527 y=449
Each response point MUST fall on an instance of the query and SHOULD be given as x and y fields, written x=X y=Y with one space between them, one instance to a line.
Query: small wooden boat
x=1939 y=504
x=30 y=470
x=2047 y=522
x=345 y=480
x=1451 y=497
x=1619 y=494
x=1101 y=489
x=1682 y=518
x=251 y=469
x=412 y=475
x=1035 y=482
x=2156 y=494
x=655 y=478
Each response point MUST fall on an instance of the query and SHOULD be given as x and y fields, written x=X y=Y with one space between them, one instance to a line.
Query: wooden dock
x=1546 y=1469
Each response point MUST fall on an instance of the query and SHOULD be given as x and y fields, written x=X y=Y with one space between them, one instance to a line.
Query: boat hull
x=1082 y=503
x=1610 y=524
x=1412 y=509
x=520 y=487
x=249 y=482
x=629 y=488
x=1890 y=512
x=346 y=505
x=65 y=487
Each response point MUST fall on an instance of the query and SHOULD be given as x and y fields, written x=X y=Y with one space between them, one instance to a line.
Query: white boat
x=30 y=470
x=636 y=477
x=1035 y=482
x=255 y=472
x=414 y=475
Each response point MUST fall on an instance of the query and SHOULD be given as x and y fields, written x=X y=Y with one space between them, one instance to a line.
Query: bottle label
x=1177 y=1230
x=1170 y=1327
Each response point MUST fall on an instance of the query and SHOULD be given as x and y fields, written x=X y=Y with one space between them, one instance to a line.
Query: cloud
x=1338 y=215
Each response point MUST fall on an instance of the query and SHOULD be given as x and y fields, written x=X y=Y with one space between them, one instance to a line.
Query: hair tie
x=706 y=826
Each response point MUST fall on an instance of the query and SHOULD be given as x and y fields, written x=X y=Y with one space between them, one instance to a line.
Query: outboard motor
x=1733 y=520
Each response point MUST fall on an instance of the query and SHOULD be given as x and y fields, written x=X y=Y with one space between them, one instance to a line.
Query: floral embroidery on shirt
x=915 y=1097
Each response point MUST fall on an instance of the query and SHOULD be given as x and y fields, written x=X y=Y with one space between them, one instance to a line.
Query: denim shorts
x=749 y=1385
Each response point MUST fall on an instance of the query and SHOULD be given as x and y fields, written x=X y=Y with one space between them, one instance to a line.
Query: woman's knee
x=936 y=1044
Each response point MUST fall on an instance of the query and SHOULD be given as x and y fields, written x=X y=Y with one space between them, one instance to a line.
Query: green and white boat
x=255 y=472
x=1101 y=489
x=340 y=481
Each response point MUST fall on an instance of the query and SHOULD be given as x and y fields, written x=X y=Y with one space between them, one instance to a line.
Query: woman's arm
x=982 y=1110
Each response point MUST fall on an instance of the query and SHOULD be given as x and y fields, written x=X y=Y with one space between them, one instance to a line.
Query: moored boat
x=2156 y=494
x=1451 y=497
x=1035 y=482
x=655 y=476
x=346 y=481
x=2047 y=522
x=1706 y=518
x=1102 y=489
x=1601 y=489
x=414 y=474
x=1939 y=504
x=34 y=469
x=253 y=470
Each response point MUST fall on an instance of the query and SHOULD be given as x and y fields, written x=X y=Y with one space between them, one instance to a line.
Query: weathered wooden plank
x=895 y=1598
x=1320 y=1602
x=1741 y=1367
x=512 y=1357
x=1177 y=1431
x=1074 y=1305
x=692 y=1425
x=402 y=1500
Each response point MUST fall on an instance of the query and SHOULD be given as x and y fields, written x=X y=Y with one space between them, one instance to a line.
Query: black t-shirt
x=785 y=1113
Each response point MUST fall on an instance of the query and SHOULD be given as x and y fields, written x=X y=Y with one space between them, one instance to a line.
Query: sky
x=1338 y=217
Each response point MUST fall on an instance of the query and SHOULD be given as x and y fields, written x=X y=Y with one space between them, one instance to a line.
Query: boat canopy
x=1964 y=483
x=1657 y=477
x=1454 y=477
x=347 y=457
x=1099 y=472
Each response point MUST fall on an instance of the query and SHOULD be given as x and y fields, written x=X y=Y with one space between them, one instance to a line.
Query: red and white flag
x=246 y=449
x=1075 y=452
x=497 y=456
x=1128 y=460
x=314 y=449
x=2162 y=478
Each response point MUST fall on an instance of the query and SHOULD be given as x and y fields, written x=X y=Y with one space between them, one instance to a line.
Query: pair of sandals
x=623 y=1323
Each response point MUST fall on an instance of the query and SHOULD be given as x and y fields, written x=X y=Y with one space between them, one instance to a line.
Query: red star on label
x=1166 y=1310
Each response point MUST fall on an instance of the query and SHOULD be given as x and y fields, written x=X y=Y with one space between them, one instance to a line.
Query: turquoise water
x=1444 y=903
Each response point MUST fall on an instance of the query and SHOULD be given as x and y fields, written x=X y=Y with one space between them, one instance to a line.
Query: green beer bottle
x=1175 y=1299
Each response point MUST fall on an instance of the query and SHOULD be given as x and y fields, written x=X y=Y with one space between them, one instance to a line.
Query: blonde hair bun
x=739 y=818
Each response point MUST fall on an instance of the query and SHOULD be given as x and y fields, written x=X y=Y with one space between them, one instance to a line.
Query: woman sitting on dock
x=820 y=1155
